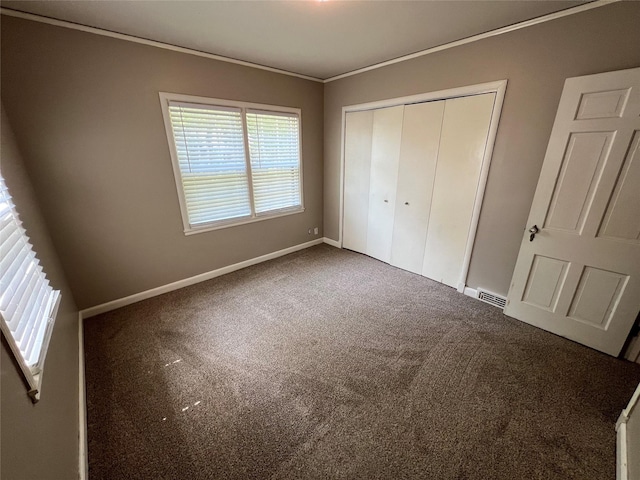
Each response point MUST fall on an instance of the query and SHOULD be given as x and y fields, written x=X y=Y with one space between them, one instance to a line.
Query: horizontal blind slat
x=36 y=335
x=12 y=287
x=24 y=320
x=212 y=180
x=19 y=304
x=209 y=218
x=5 y=223
x=16 y=235
x=217 y=214
x=11 y=264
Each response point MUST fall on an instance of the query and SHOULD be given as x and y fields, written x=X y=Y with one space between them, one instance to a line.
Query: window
x=234 y=162
x=28 y=304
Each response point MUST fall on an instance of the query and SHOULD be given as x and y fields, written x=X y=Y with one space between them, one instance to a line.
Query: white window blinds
x=209 y=143
x=234 y=162
x=28 y=303
x=275 y=160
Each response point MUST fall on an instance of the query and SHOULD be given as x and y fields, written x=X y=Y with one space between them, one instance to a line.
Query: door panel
x=607 y=104
x=597 y=296
x=385 y=155
x=418 y=158
x=463 y=140
x=357 y=169
x=545 y=282
x=622 y=220
x=587 y=204
x=582 y=165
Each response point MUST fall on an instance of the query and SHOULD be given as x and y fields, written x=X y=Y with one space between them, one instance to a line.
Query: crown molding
x=475 y=38
x=144 y=41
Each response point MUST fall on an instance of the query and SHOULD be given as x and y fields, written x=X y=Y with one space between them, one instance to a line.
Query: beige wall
x=86 y=112
x=536 y=61
x=39 y=441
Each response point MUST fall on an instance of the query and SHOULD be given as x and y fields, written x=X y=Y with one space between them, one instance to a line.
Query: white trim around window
x=256 y=179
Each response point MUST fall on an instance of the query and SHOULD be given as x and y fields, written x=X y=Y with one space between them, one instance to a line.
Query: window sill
x=208 y=227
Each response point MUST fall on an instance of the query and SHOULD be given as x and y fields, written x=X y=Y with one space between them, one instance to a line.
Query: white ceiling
x=310 y=37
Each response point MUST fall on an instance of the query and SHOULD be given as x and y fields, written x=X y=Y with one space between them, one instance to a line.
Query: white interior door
x=385 y=155
x=418 y=158
x=463 y=140
x=580 y=276
x=357 y=170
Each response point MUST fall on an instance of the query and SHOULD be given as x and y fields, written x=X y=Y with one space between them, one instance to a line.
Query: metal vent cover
x=492 y=298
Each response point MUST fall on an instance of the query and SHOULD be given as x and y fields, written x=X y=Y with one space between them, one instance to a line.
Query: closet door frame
x=498 y=87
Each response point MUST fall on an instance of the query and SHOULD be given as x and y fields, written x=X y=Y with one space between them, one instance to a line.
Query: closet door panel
x=385 y=154
x=357 y=171
x=417 y=170
x=465 y=128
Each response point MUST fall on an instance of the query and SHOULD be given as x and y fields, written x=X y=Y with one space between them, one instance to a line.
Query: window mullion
x=247 y=159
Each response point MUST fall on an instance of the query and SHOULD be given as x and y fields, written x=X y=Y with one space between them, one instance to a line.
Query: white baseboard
x=83 y=464
x=137 y=297
x=331 y=242
x=471 y=292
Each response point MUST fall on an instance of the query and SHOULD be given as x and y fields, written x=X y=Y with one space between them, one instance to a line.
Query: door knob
x=533 y=230
x=406 y=203
x=386 y=201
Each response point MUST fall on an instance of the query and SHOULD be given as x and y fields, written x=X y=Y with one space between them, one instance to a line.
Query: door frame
x=498 y=87
x=623 y=452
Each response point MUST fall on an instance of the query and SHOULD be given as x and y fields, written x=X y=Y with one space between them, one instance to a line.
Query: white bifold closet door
x=357 y=169
x=418 y=159
x=385 y=156
x=465 y=128
x=411 y=179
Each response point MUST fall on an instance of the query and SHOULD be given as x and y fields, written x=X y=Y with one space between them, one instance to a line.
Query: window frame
x=188 y=229
x=32 y=375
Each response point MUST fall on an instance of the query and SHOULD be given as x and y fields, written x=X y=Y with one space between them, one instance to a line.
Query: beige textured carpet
x=328 y=364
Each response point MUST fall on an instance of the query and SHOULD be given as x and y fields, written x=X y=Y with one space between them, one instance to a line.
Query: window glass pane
x=274 y=146
x=211 y=156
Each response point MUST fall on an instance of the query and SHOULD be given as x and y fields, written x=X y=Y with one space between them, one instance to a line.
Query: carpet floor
x=327 y=364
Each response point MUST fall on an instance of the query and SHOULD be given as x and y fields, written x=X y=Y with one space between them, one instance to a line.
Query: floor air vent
x=492 y=298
